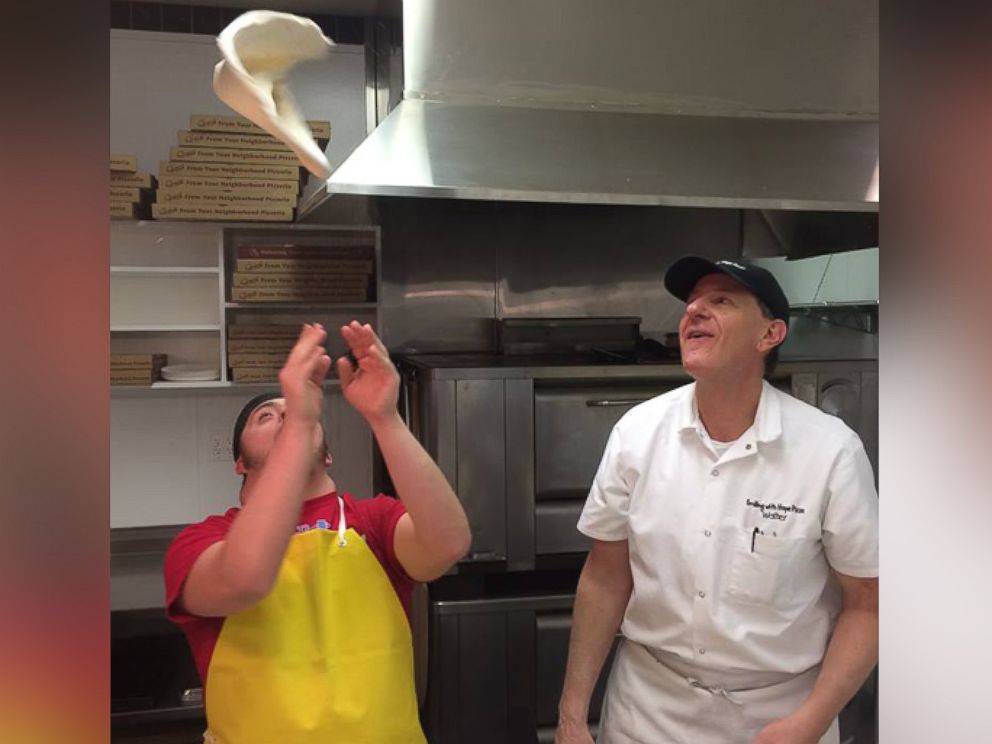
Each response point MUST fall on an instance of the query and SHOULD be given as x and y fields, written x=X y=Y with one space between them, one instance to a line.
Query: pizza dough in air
x=259 y=49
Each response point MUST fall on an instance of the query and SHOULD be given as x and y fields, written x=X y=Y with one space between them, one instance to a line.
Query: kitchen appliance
x=502 y=669
x=154 y=686
x=519 y=336
x=647 y=103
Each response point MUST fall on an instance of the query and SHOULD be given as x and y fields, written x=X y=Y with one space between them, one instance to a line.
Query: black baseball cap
x=239 y=424
x=683 y=275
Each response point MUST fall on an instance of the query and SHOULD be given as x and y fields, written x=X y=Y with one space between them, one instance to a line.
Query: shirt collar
x=688 y=415
x=768 y=419
x=767 y=425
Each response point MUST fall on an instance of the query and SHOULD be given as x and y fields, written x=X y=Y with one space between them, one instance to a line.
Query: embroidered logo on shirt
x=321 y=524
x=775 y=511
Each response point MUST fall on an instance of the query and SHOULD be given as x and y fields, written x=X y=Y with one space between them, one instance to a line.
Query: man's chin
x=693 y=366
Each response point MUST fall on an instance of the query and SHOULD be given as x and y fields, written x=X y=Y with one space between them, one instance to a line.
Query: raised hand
x=373 y=387
x=302 y=376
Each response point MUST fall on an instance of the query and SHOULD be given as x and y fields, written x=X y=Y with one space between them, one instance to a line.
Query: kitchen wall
x=450 y=267
x=166 y=469
x=171 y=459
x=158 y=79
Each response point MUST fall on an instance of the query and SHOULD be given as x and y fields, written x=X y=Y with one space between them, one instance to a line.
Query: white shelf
x=275 y=383
x=303 y=306
x=205 y=385
x=176 y=385
x=164 y=271
x=165 y=384
x=214 y=327
x=170 y=385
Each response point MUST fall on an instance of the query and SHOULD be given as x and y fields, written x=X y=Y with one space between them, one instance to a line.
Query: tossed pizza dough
x=259 y=49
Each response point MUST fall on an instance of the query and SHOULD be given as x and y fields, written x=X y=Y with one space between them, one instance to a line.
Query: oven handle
x=607 y=402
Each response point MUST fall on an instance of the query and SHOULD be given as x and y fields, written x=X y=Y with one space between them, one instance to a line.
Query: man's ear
x=328 y=460
x=239 y=466
x=774 y=335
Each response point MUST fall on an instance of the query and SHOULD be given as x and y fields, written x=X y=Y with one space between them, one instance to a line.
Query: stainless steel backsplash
x=450 y=267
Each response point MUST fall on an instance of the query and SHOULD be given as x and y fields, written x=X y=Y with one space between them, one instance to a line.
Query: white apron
x=656 y=698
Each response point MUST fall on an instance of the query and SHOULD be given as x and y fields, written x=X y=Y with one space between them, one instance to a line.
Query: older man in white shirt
x=735 y=545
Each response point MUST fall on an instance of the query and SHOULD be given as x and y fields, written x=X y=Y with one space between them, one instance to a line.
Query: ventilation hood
x=714 y=103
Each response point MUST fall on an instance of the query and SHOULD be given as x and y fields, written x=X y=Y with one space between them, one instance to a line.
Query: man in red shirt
x=296 y=604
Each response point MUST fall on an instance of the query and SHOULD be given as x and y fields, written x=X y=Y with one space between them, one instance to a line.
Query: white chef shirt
x=799 y=475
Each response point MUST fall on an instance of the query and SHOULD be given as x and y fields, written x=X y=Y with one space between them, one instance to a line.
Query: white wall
x=158 y=79
x=851 y=276
x=163 y=468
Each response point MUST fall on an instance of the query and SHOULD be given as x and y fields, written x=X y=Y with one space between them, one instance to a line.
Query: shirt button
x=702 y=651
x=747 y=446
x=707 y=533
x=702 y=595
x=715 y=472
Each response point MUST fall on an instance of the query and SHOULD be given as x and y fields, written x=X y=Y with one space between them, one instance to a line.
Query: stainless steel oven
x=499 y=670
x=572 y=420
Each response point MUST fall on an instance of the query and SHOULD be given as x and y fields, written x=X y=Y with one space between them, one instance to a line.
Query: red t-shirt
x=374 y=519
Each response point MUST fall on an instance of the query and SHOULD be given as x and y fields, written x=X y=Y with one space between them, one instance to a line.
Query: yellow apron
x=326 y=657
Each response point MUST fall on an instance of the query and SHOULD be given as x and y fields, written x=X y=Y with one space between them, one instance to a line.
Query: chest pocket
x=762 y=576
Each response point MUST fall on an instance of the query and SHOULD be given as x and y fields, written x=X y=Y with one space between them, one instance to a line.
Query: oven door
x=497 y=667
x=571 y=426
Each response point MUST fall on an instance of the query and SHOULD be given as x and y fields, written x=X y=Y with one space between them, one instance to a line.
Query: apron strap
x=691 y=676
x=714 y=690
x=342 y=526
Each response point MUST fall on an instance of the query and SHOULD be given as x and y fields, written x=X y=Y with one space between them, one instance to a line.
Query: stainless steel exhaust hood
x=715 y=103
x=450 y=149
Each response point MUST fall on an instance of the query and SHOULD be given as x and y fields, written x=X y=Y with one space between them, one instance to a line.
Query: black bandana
x=239 y=425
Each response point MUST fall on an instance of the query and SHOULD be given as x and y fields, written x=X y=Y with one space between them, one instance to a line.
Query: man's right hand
x=302 y=376
x=604 y=589
x=572 y=732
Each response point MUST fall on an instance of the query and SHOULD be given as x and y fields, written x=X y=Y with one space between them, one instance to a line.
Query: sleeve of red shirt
x=182 y=554
x=383 y=514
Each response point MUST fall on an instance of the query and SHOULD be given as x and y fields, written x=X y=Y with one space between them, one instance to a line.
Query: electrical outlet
x=220 y=447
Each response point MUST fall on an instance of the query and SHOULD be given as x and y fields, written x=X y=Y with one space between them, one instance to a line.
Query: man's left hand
x=373 y=387
x=788 y=730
